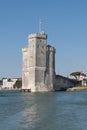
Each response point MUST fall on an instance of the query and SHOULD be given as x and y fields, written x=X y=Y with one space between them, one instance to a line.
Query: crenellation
x=50 y=48
x=24 y=49
x=40 y=35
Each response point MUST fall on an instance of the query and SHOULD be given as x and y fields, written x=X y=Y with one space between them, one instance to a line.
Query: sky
x=65 y=23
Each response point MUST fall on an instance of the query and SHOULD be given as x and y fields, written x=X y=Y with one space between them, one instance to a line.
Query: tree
x=77 y=74
x=18 y=84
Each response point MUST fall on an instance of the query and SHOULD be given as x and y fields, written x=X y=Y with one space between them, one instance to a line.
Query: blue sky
x=64 y=21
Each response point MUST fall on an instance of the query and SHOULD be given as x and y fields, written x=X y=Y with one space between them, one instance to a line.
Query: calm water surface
x=43 y=111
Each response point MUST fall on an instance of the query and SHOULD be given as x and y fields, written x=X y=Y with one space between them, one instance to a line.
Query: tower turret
x=51 y=66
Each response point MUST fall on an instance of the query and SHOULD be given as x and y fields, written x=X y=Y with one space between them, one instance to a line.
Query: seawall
x=78 y=88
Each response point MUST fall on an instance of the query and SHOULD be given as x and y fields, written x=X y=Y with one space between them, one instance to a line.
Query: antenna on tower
x=40 y=23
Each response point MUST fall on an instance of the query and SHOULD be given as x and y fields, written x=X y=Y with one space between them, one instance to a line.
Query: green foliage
x=85 y=79
x=77 y=74
x=18 y=84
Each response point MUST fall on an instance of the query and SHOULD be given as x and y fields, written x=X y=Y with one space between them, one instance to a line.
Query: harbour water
x=43 y=111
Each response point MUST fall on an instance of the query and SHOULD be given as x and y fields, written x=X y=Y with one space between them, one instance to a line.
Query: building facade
x=38 y=70
x=8 y=83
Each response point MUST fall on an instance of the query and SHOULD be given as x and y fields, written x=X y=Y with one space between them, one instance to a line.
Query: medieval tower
x=38 y=70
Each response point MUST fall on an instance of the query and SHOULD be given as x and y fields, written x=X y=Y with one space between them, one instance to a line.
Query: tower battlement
x=24 y=49
x=50 y=48
x=38 y=35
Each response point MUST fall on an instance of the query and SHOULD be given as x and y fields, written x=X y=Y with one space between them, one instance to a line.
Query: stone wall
x=62 y=83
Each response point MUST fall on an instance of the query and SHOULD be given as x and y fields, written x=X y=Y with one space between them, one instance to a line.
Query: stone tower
x=38 y=71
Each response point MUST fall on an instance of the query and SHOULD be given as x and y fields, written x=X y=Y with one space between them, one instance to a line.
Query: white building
x=8 y=83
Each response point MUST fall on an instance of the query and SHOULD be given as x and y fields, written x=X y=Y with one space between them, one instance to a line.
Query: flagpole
x=40 y=22
x=39 y=27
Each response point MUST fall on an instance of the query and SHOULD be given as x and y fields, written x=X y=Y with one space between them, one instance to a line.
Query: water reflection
x=43 y=111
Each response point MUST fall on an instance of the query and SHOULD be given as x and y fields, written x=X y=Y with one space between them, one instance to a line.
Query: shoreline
x=10 y=88
x=77 y=88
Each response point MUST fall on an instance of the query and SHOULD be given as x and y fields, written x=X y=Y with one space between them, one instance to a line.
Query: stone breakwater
x=78 y=88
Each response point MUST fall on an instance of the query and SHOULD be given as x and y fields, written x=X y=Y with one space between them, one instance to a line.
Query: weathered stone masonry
x=38 y=73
